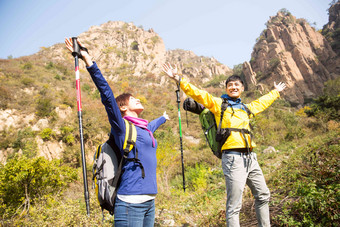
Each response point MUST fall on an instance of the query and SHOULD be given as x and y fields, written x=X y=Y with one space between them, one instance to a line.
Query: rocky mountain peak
x=290 y=50
x=332 y=29
x=122 y=49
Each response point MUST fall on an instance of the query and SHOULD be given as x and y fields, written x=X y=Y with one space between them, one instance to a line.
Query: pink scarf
x=142 y=124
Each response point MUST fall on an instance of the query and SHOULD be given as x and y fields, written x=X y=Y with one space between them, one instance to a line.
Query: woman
x=135 y=202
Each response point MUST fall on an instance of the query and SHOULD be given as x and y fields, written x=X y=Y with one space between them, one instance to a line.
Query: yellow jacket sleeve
x=264 y=102
x=201 y=96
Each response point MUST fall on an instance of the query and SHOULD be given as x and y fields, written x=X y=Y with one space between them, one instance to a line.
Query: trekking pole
x=76 y=54
x=180 y=132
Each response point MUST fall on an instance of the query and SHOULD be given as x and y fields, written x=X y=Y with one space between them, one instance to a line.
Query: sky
x=223 y=29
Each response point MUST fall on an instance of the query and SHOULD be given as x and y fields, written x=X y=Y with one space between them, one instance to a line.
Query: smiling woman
x=135 y=201
x=129 y=105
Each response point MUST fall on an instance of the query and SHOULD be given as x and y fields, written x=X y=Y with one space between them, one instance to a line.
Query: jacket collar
x=238 y=100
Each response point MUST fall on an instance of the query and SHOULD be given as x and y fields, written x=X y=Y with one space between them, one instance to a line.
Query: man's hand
x=171 y=72
x=279 y=87
x=86 y=57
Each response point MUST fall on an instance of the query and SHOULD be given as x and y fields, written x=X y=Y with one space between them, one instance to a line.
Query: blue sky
x=223 y=29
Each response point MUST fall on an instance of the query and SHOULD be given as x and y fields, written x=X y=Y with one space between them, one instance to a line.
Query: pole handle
x=76 y=48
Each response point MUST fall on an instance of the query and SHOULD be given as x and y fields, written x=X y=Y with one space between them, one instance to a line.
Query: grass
x=295 y=136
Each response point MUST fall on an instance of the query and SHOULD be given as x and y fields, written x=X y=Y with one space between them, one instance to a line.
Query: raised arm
x=200 y=96
x=279 y=87
x=265 y=101
x=107 y=97
x=171 y=71
x=85 y=55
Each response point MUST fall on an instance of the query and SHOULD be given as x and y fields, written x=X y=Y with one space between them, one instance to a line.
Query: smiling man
x=239 y=161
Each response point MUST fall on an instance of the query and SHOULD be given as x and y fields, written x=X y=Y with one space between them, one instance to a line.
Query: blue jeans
x=134 y=214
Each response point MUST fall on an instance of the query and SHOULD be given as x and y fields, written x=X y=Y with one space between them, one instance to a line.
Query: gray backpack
x=108 y=165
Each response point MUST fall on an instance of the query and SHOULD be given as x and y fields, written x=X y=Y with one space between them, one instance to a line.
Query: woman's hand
x=86 y=57
x=171 y=71
x=279 y=87
x=166 y=116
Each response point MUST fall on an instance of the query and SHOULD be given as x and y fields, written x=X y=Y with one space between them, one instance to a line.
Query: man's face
x=234 y=89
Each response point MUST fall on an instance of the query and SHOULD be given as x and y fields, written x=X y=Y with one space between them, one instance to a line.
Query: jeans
x=134 y=214
x=240 y=169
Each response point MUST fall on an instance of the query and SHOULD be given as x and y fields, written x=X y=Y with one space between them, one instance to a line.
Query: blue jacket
x=132 y=182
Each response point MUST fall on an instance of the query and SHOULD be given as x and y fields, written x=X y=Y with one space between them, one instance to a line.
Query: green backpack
x=208 y=123
x=215 y=136
x=209 y=127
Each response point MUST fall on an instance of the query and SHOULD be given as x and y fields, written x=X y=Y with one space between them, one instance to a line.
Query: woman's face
x=135 y=105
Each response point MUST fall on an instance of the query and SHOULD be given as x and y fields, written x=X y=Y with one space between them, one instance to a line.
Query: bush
x=23 y=180
x=5 y=96
x=325 y=107
x=66 y=135
x=44 y=107
x=47 y=134
x=25 y=141
x=311 y=184
x=27 y=66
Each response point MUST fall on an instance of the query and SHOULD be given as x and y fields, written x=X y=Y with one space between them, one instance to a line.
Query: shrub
x=25 y=141
x=325 y=107
x=66 y=135
x=27 y=66
x=44 y=106
x=50 y=65
x=47 y=134
x=5 y=97
x=216 y=81
x=57 y=77
x=23 y=180
x=134 y=45
x=27 y=81
x=311 y=184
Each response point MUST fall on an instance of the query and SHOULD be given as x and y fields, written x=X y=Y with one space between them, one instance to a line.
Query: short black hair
x=234 y=78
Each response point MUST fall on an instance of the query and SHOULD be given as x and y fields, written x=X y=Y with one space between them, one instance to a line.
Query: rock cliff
x=332 y=29
x=290 y=50
x=122 y=49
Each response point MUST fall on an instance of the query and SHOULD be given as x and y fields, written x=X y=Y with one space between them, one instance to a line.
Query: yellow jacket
x=235 y=117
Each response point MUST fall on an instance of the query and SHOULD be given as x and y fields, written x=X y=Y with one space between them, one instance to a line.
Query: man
x=239 y=162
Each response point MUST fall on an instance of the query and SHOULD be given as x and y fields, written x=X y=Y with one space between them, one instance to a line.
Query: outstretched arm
x=154 y=124
x=200 y=96
x=171 y=71
x=86 y=57
x=265 y=101
x=107 y=97
x=279 y=87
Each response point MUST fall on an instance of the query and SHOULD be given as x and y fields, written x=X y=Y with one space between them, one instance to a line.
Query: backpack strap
x=129 y=143
x=130 y=137
x=224 y=106
x=223 y=134
x=243 y=131
x=249 y=114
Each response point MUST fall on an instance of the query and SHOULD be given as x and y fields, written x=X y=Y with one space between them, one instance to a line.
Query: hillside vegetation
x=297 y=142
x=302 y=172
